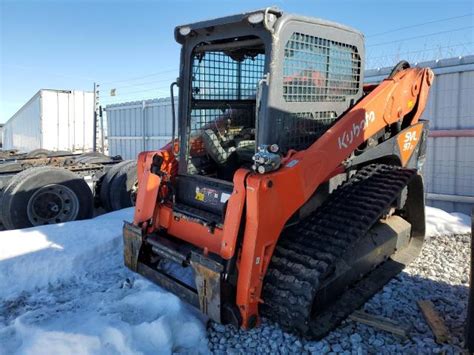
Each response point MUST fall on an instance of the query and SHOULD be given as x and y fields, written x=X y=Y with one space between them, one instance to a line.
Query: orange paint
x=407 y=142
x=269 y=200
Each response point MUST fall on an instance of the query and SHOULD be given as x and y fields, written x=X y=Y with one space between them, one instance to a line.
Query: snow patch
x=34 y=257
x=65 y=290
x=68 y=292
x=440 y=223
x=107 y=323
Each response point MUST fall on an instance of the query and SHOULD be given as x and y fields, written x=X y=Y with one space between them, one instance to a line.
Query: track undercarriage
x=345 y=251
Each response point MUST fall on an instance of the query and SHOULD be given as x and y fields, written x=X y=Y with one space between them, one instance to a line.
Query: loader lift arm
x=295 y=182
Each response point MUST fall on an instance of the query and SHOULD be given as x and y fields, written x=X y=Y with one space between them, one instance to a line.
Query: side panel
x=22 y=131
x=67 y=120
x=50 y=119
x=83 y=118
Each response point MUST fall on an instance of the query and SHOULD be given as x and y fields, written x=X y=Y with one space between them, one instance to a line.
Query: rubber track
x=306 y=254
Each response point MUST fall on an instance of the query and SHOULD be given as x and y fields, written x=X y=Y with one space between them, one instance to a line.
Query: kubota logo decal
x=347 y=137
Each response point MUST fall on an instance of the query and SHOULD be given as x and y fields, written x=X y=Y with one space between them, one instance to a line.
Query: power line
x=140 y=84
x=419 y=24
x=422 y=50
x=139 y=77
x=422 y=36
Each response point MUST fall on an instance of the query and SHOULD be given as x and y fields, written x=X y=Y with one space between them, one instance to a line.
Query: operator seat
x=243 y=148
x=214 y=148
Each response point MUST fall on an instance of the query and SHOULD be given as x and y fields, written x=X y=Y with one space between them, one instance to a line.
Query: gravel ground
x=440 y=274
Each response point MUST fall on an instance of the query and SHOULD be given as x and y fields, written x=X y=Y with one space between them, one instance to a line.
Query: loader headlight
x=184 y=31
x=274 y=148
x=256 y=17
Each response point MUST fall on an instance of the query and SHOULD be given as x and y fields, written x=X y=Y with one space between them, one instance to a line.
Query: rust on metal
x=208 y=286
x=132 y=242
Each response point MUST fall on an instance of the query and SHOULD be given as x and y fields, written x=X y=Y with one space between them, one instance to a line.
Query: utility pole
x=102 y=133
x=96 y=114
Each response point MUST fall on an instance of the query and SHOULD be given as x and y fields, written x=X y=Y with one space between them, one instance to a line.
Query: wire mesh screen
x=301 y=129
x=218 y=118
x=319 y=70
x=217 y=76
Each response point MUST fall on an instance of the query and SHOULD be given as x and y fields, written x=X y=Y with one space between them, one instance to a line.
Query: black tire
x=122 y=192
x=59 y=153
x=106 y=184
x=401 y=65
x=38 y=153
x=92 y=158
x=10 y=166
x=45 y=195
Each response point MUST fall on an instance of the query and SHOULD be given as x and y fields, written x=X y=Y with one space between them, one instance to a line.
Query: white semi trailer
x=56 y=120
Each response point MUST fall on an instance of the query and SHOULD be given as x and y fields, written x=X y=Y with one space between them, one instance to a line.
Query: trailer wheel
x=124 y=187
x=107 y=184
x=45 y=195
x=38 y=153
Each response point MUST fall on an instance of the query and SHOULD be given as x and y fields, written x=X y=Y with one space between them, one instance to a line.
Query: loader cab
x=259 y=79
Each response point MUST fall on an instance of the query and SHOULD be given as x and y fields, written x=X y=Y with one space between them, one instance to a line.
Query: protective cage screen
x=216 y=76
x=219 y=77
x=224 y=87
x=319 y=70
x=300 y=129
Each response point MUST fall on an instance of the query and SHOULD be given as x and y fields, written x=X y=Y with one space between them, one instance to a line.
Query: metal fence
x=449 y=169
x=134 y=127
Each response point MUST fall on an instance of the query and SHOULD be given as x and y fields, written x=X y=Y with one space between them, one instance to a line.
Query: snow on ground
x=64 y=290
x=439 y=223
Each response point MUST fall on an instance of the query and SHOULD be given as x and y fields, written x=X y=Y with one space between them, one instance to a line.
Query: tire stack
x=119 y=186
x=47 y=195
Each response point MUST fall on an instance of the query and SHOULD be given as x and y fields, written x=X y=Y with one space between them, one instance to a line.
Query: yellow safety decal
x=199 y=196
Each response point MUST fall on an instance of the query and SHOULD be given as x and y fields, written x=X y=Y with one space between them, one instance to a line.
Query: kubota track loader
x=291 y=190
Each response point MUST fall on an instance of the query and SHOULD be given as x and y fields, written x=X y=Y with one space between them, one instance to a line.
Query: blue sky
x=130 y=46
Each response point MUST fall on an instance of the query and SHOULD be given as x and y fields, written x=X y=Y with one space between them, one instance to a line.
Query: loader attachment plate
x=145 y=255
x=132 y=242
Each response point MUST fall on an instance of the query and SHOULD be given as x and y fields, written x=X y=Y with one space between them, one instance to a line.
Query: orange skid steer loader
x=290 y=189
